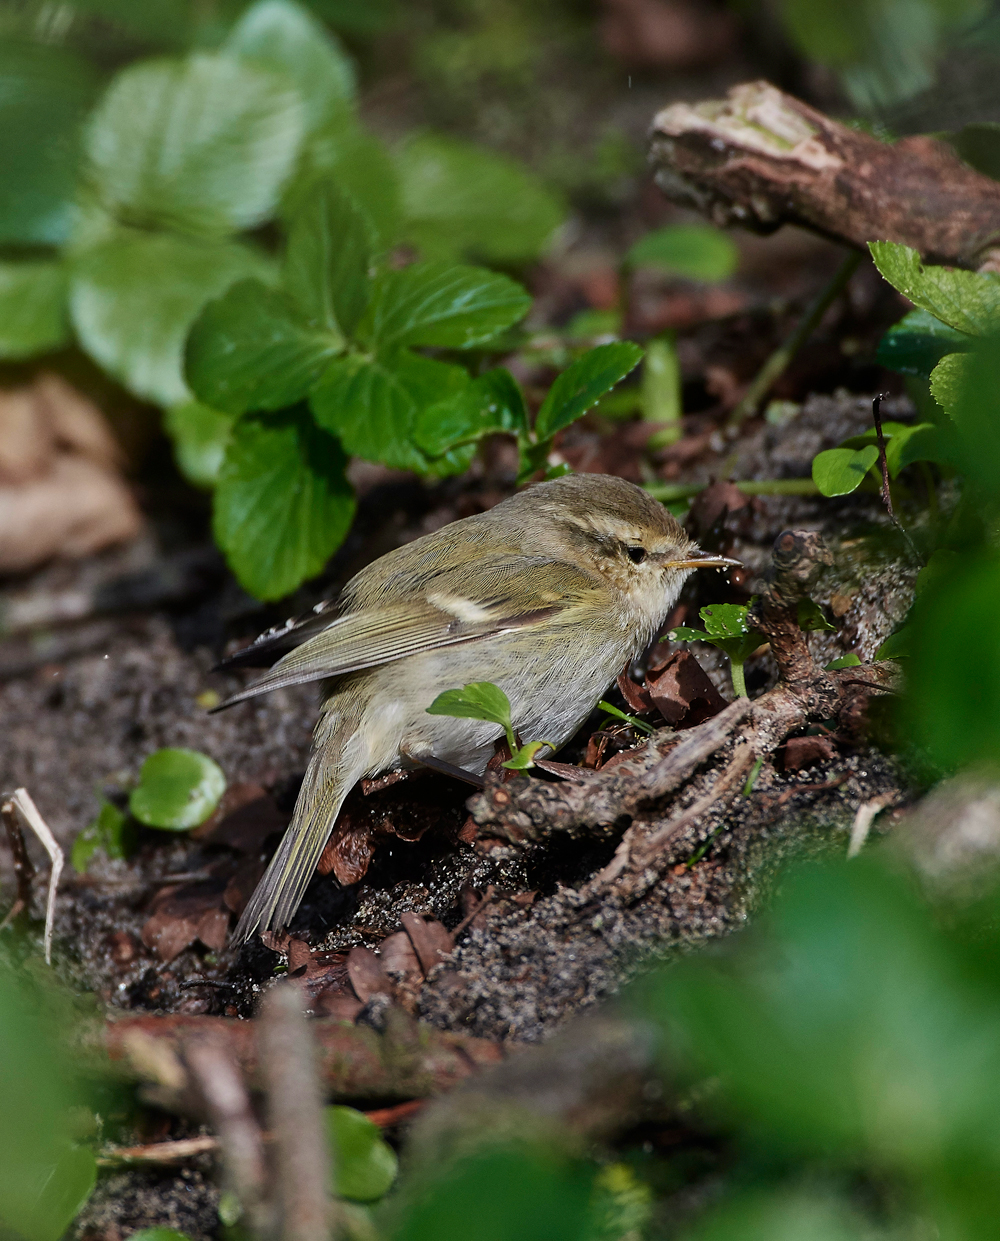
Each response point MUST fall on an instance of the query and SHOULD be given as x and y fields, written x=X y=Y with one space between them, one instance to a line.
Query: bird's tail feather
x=280 y=891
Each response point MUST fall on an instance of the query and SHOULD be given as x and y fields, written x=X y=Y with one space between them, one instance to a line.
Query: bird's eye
x=636 y=554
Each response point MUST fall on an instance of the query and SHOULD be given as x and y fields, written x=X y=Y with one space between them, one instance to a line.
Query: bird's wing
x=492 y=596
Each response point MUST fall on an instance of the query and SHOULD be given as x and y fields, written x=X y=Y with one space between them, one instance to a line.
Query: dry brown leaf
x=431 y=940
x=367 y=974
x=180 y=915
x=398 y=958
x=800 y=752
x=683 y=692
x=636 y=698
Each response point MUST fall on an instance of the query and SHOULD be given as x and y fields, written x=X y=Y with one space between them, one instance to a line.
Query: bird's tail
x=280 y=891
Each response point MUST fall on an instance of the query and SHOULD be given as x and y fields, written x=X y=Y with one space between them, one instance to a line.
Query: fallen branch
x=761 y=158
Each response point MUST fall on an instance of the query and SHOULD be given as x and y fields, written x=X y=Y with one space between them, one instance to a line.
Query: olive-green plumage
x=548 y=595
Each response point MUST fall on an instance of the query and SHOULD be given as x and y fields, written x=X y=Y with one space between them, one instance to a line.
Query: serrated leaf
x=134 y=298
x=203 y=145
x=967 y=301
x=452 y=307
x=282 y=505
x=811 y=617
x=950 y=378
x=33 y=315
x=284 y=36
x=916 y=344
x=249 y=349
x=177 y=789
x=839 y=471
x=696 y=251
x=329 y=252
x=44 y=94
x=461 y=201
x=201 y=436
x=492 y=403
x=365 y=1163
x=583 y=383
x=373 y=405
x=481 y=700
x=726 y=620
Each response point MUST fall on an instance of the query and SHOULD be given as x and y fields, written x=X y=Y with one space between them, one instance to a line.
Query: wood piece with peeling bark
x=762 y=158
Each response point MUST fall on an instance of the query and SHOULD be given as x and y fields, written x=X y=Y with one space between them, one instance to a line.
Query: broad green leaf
x=203 y=145
x=33 y=315
x=347 y=156
x=177 y=789
x=460 y=201
x=373 y=406
x=633 y=720
x=684 y=633
x=726 y=620
x=811 y=617
x=583 y=383
x=133 y=300
x=523 y=758
x=441 y=304
x=201 y=436
x=492 y=403
x=923 y=442
x=284 y=36
x=250 y=349
x=916 y=344
x=365 y=1164
x=329 y=253
x=44 y=94
x=949 y=378
x=696 y=251
x=110 y=831
x=966 y=385
x=282 y=505
x=839 y=471
x=481 y=700
x=965 y=300
x=889 y=429
x=897 y=644
x=845 y=661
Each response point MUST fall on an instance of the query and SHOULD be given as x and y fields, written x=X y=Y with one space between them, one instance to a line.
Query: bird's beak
x=703 y=560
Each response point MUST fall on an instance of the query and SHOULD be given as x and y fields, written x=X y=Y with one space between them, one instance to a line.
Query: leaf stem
x=777 y=363
x=739 y=678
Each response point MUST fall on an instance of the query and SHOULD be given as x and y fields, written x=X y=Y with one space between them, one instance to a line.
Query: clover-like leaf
x=696 y=251
x=491 y=403
x=284 y=36
x=203 y=145
x=134 y=298
x=33 y=315
x=453 y=307
x=282 y=505
x=916 y=344
x=839 y=471
x=177 y=789
x=251 y=349
x=480 y=700
x=201 y=437
x=583 y=383
x=365 y=1163
x=964 y=300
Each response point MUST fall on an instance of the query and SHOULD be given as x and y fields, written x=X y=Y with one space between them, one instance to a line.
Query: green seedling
x=845 y=661
x=482 y=700
x=111 y=831
x=810 y=617
x=366 y=1165
x=639 y=725
x=177 y=790
x=726 y=626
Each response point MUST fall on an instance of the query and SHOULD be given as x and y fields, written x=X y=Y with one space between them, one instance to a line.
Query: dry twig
x=21 y=801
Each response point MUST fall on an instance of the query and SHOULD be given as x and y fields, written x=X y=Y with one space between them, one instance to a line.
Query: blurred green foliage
x=177 y=789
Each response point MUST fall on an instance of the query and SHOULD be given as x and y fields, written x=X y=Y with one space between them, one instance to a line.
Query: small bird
x=548 y=595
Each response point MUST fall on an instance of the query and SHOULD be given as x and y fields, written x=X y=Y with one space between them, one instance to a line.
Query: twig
x=884 y=471
x=778 y=362
x=487 y=899
x=864 y=817
x=24 y=870
x=159 y=1152
x=20 y=800
x=303 y=1158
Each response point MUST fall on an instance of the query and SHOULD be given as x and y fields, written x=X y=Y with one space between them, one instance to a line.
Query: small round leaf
x=365 y=1164
x=177 y=789
x=839 y=471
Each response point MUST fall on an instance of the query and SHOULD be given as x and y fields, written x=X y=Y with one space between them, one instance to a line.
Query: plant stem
x=667 y=493
x=661 y=390
x=739 y=680
x=778 y=362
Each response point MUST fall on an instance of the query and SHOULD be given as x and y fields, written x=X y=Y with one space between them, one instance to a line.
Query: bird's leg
x=444 y=768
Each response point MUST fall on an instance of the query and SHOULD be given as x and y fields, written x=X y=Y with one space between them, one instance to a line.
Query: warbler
x=548 y=595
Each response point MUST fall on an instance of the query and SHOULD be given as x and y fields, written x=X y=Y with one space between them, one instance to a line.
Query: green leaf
x=203 y=145
x=159 y=1234
x=251 y=349
x=810 y=617
x=978 y=143
x=727 y=625
x=282 y=505
x=916 y=344
x=949 y=378
x=839 y=471
x=32 y=308
x=460 y=201
x=110 y=831
x=133 y=300
x=965 y=300
x=490 y=404
x=365 y=1163
x=845 y=661
x=285 y=37
x=177 y=789
x=523 y=758
x=201 y=436
x=329 y=253
x=922 y=442
x=453 y=307
x=896 y=644
x=583 y=383
x=696 y=251
x=373 y=406
x=44 y=94
x=481 y=700
x=639 y=725
x=682 y=633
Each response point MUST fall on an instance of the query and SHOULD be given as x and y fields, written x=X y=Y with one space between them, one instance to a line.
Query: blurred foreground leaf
x=365 y=1163
x=33 y=315
x=696 y=251
x=177 y=789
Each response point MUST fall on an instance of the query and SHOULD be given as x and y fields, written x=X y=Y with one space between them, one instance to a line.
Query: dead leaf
x=245 y=818
x=367 y=974
x=398 y=958
x=299 y=954
x=431 y=940
x=181 y=915
x=337 y=1005
x=243 y=883
x=800 y=752
x=683 y=691
x=349 y=850
x=712 y=505
x=636 y=698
